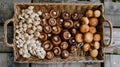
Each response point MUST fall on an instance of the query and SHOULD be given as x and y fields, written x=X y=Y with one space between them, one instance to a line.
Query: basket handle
x=110 y=25
x=5 y=32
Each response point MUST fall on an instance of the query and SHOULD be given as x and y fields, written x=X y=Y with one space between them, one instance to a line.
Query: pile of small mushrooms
x=27 y=33
x=53 y=33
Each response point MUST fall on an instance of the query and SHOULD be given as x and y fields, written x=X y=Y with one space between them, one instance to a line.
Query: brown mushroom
x=68 y=24
x=94 y=53
x=47 y=29
x=86 y=47
x=88 y=37
x=75 y=16
x=56 y=40
x=46 y=15
x=89 y=13
x=97 y=37
x=96 y=45
x=60 y=21
x=49 y=55
x=43 y=36
x=73 y=49
x=65 y=54
x=52 y=22
x=97 y=13
x=64 y=45
x=76 y=24
x=72 y=41
x=73 y=31
x=43 y=22
x=93 y=22
x=57 y=51
x=93 y=30
x=79 y=37
x=84 y=28
x=56 y=29
x=47 y=45
x=85 y=20
x=65 y=15
x=66 y=34
x=54 y=13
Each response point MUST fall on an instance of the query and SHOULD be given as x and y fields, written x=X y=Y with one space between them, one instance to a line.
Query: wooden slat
x=68 y=65
x=6 y=60
x=116 y=36
x=115 y=46
x=77 y=64
x=112 y=12
x=40 y=1
x=39 y=65
x=60 y=65
x=4 y=48
x=6 y=8
x=112 y=60
x=114 y=19
x=107 y=0
x=92 y=64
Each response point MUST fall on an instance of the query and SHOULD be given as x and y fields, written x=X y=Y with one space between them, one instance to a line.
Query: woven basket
x=69 y=7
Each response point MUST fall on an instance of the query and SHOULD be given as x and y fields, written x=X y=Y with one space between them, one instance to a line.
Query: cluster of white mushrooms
x=28 y=32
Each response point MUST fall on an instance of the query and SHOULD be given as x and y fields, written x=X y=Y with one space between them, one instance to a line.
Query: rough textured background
x=111 y=60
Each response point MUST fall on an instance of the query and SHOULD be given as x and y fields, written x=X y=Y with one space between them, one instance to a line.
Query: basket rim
x=34 y=4
x=16 y=3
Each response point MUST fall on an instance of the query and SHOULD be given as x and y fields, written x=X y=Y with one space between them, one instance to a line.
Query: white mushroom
x=30 y=31
x=24 y=25
x=23 y=11
x=20 y=17
x=21 y=51
x=41 y=54
x=20 y=25
x=39 y=28
x=17 y=42
x=20 y=45
x=38 y=43
x=25 y=34
x=31 y=7
x=24 y=29
x=26 y=55
x=26 y=16
x=29 y=21
x=29 y=12
x=21 y=29
x=37 y=18
x=29 y=25
x=17 y=26
x=17 y=31
x=23 y=14
x=27 y=29
x=31 y=37
x=28 y=42
x=25 y=46
x=36 y=23
x=37 y=34
x=25 y=51
x=34 y=28
x=32 y=15
x=39 y=12
x=29 y=47
x=33 y=52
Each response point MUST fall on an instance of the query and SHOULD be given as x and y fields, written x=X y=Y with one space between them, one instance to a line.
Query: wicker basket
x=70 y=7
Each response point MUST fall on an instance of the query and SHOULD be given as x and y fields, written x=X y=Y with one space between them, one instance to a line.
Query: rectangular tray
x=70 y=7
